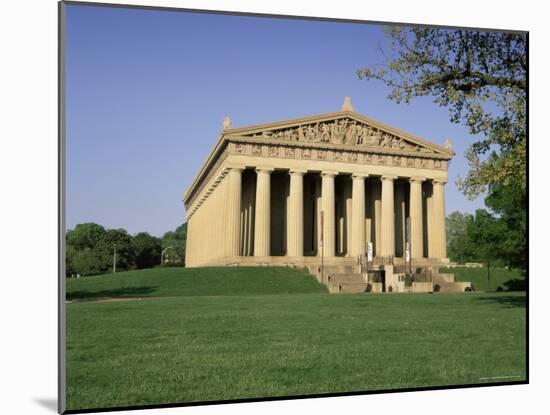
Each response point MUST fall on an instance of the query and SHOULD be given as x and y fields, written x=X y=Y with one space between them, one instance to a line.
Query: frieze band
x=335 y=155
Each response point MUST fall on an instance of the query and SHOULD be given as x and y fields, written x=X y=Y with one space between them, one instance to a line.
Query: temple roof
x=344 y=130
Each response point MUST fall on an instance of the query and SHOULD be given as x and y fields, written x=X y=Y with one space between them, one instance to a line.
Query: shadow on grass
x=505 y=300
x=517 y=284
x=126 y=292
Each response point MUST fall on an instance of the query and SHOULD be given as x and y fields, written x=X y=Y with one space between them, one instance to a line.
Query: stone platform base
x=343 y=274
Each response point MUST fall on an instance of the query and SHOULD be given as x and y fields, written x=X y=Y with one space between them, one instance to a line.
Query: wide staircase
x=345 y=279
x=445 y=283
x=352 y=276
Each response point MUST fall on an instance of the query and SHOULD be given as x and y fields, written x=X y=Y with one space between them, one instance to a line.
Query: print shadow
x=125 y=292
x=48 y=403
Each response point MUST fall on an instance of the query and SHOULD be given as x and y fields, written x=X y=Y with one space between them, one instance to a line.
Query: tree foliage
x=459 y=246
x=174 y=244
x=81 y=257
x=90 y=249
x=146 y=249
x=494 y=235
x=85 y=235
x=484 y=231
x=481 y=78
x=509 y=202
x=84 y=262
x=121 y=241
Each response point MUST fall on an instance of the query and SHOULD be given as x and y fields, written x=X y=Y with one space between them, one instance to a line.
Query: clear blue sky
x=147 y=92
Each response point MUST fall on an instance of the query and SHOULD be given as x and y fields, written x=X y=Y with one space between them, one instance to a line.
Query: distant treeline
x=91 y=249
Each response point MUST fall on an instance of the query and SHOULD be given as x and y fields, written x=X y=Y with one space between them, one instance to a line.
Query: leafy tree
x=122 y=241
x=86 y=262
x=80 y=255
x=175 y=240
x=481 y=77
x=90 y=249
x=460 y=247
x=498 y=235
x=146 y=249
x=70 y=252
x=181 y=236
x=85 y=235
x=508 y=203
x=485 y=231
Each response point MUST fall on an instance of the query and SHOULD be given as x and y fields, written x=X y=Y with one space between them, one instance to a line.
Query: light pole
x=162 y=253
x=114 y=259
x=322 y=245
x=408 y=248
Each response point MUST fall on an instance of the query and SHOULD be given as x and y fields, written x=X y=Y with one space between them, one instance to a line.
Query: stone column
x=318 y=208
x=415 y=209
x=247 y=216
x=438 y=220
x=295 y=219
x=387 y=218
x=217 y=224
x=377 y=212
x=233 y=211
x=328 y=202
x=348 y=209
x=263 y=213
x=250 y=207
x=400 y=220
x=429 y=220
x=358 y=237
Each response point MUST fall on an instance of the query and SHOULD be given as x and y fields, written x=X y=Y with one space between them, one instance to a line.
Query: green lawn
x=501 y=279
x=175 y=282
x=188 y=346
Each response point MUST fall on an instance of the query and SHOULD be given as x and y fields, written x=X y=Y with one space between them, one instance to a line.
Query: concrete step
x=312 y=269
x=444 y=277
x=346 y=287
x=346 y=268
x=346 y=283
x=341 y=269
x=452 y=287
x=352 y=278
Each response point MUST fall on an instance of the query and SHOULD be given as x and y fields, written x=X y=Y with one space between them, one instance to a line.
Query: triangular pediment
x=341 y=129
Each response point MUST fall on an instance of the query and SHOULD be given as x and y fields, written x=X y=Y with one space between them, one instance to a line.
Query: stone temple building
x=359 y=203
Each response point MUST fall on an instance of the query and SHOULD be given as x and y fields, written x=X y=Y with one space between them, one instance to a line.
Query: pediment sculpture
x=344 y=131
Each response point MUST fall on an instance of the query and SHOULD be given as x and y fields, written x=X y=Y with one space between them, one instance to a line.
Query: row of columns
x=295 y=224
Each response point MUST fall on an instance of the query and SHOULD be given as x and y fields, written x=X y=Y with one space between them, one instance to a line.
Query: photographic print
x=264 y=207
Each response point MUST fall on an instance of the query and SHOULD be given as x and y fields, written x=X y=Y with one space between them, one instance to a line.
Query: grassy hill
x=501 y=279
x=234 y=333
x=176 y=282
x=203 y=348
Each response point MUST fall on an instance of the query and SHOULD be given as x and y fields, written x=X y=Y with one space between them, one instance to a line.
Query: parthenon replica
x=359 y=203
